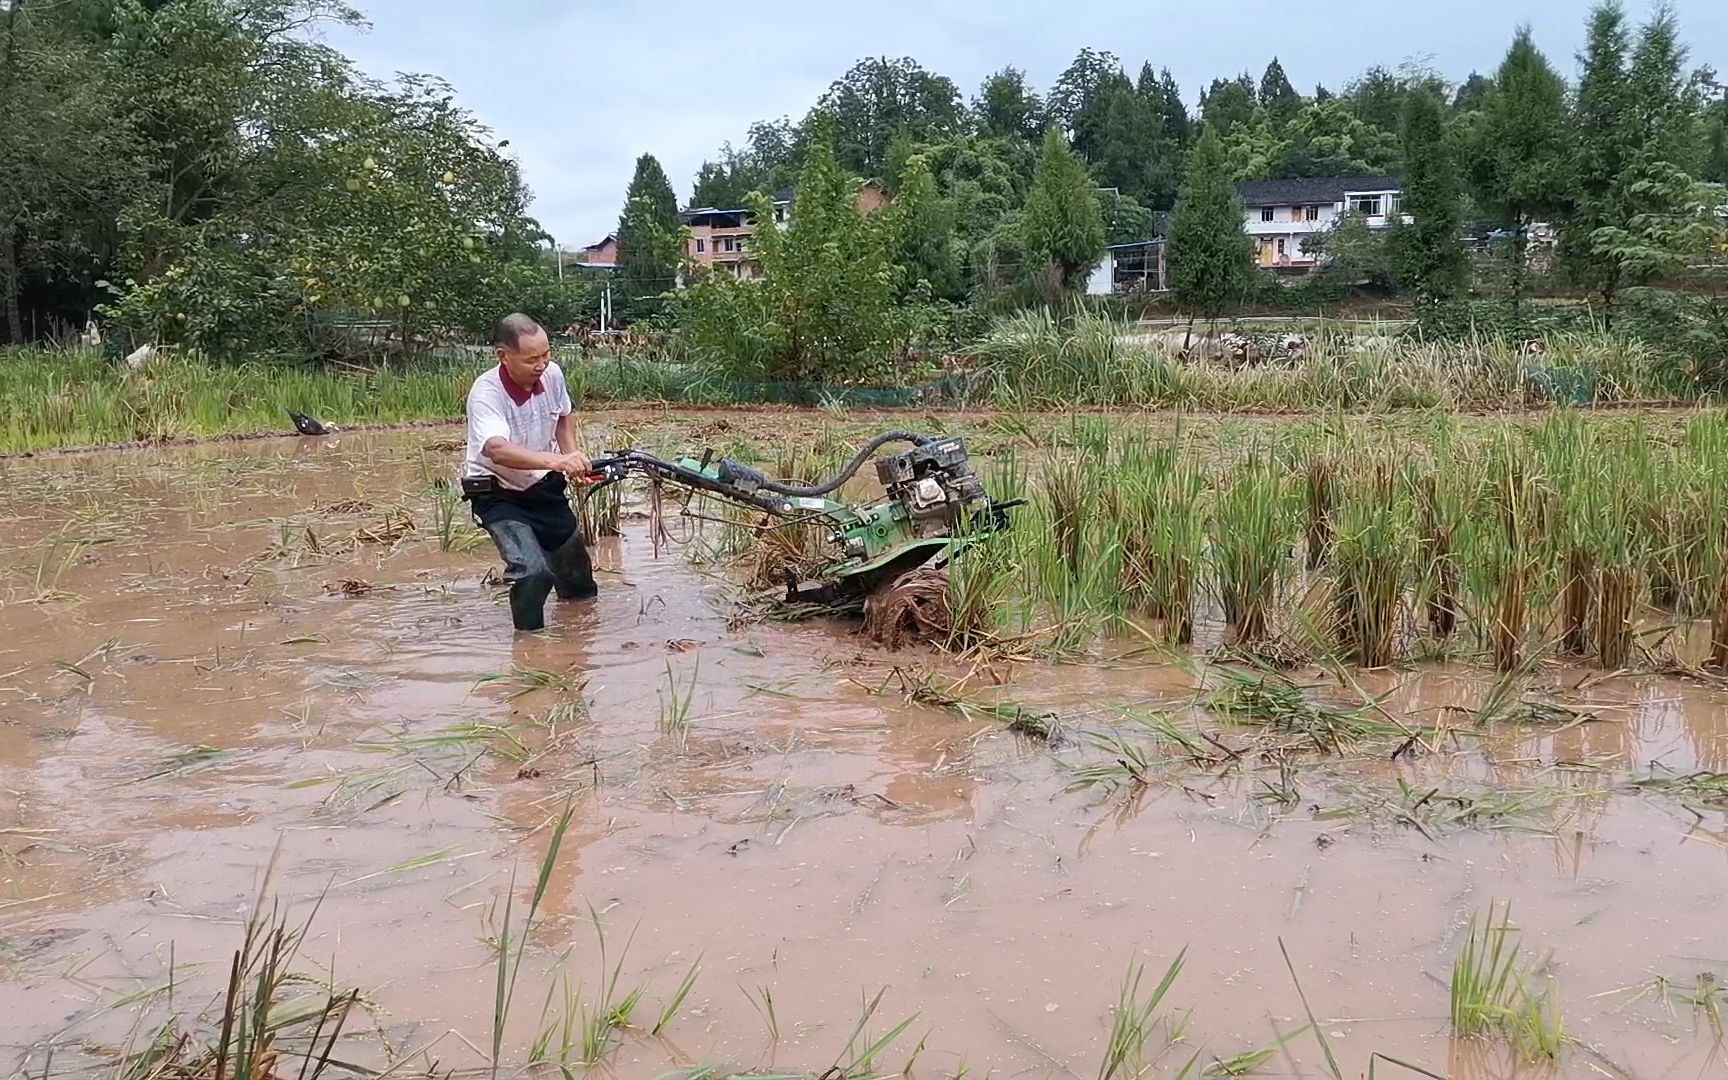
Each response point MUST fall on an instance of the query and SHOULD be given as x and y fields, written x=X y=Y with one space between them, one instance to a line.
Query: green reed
x=1374 y=552
x=1253 y=529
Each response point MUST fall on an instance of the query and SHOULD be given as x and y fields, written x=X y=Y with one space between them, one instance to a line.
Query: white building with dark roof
x=1281 y=214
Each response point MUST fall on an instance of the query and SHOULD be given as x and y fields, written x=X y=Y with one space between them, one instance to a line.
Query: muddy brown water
x=186 y=688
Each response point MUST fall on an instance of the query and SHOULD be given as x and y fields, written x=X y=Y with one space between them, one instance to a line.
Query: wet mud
x=217 y=657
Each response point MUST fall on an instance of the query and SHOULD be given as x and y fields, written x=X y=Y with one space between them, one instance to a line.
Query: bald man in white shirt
x=521 y=458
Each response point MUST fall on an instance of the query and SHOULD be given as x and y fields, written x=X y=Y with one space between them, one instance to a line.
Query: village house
x=720 y=238
x=600 y=255
x=1281 y=214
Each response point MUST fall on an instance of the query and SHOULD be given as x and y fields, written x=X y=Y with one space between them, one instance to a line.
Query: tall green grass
x=1494 y=993
x=52 y=399
x=1530 y=541
x=1036 y=359
x=1253 y=529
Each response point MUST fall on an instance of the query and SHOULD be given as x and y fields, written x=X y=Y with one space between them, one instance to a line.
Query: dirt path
x=200 y=663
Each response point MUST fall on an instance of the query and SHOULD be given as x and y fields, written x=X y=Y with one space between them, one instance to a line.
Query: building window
x=1368 y=205
x=1313 y=213
x=701 y=246
x=1395 y=205
x=727 y=244
x=779 y=213
x=1266 y=213
x=1280 y=247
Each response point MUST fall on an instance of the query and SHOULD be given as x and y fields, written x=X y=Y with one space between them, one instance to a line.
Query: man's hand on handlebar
x=575 y=468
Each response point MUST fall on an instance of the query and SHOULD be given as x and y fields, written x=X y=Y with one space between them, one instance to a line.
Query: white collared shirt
x=532 y=425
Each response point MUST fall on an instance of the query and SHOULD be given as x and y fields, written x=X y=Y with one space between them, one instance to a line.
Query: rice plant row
x=1590 y=541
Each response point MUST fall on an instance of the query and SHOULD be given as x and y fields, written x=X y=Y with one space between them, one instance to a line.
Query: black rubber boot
x=528 y=601
x=573 y=571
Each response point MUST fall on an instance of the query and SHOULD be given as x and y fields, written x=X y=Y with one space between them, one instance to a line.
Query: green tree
x=649 y=232
x=1162 y=170
x=1174 y=110
x=1277 y=96
x=1666 y=216
x=1078 y=88
x=824 y=308
x=921 y=223
x=720 y=184
x=1472 y=93
x=1716 y=143
x=1209 y=253
x=1229 y=102
x=1430 y=257
x=1638 y=210
x=985 y=179
x=1604 y=140
x=1522 y=162
x=1353 y=253
x=879 y=99
x=1255 y=150
x=768 y=163
x=1006 y=107
x=1665 y=104
x=1377 y=98
x=1329 y=139
x=1064 y=233
x=1125 y=220
x=67 y=158
x=1131 y=151
x=220 y=179
x=402 y=211
x=1680 y=222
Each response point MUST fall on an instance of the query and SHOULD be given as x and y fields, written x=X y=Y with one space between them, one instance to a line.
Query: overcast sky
x=581 y=88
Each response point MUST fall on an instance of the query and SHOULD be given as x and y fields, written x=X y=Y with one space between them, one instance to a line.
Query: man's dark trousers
x=542 y=548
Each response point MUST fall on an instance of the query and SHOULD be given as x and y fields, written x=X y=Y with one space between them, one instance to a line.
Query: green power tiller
x=933 y=506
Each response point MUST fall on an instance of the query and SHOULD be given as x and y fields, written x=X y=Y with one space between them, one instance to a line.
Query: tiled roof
x=1315 y=189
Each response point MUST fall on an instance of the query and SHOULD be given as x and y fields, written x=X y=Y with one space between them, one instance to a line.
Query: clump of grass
x=1248 y=1060
x=676 y=699
x=1707 y=438
x=614 y=1008
x=1271 y=700
x=1067 y=498
x=1500 y=556
x=856 y=1061
x=1492 y=993
x=1434 y=810
x=1618 y=552
x=1440 y=509
x=1177 y=545
x=1123 y=764
x=598 y=512
x=1373 y=552
x=510 y=964
x=980 y=581
x=262 y=1028
x=1252 y=530
x=1134 y=1021
x=1319 y=500
x=1704 y=994
x=763 y=1002
x=1697 y=789
x=526 y=680
x=1018 y=718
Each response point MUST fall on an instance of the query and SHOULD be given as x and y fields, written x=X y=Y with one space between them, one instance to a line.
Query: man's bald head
x=508 y=332
x=522 y=348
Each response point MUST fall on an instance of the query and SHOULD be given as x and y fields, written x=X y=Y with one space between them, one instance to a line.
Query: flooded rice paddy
x=213 y=657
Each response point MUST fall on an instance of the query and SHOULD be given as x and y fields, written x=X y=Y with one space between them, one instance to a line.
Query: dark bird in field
x=305 y=425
